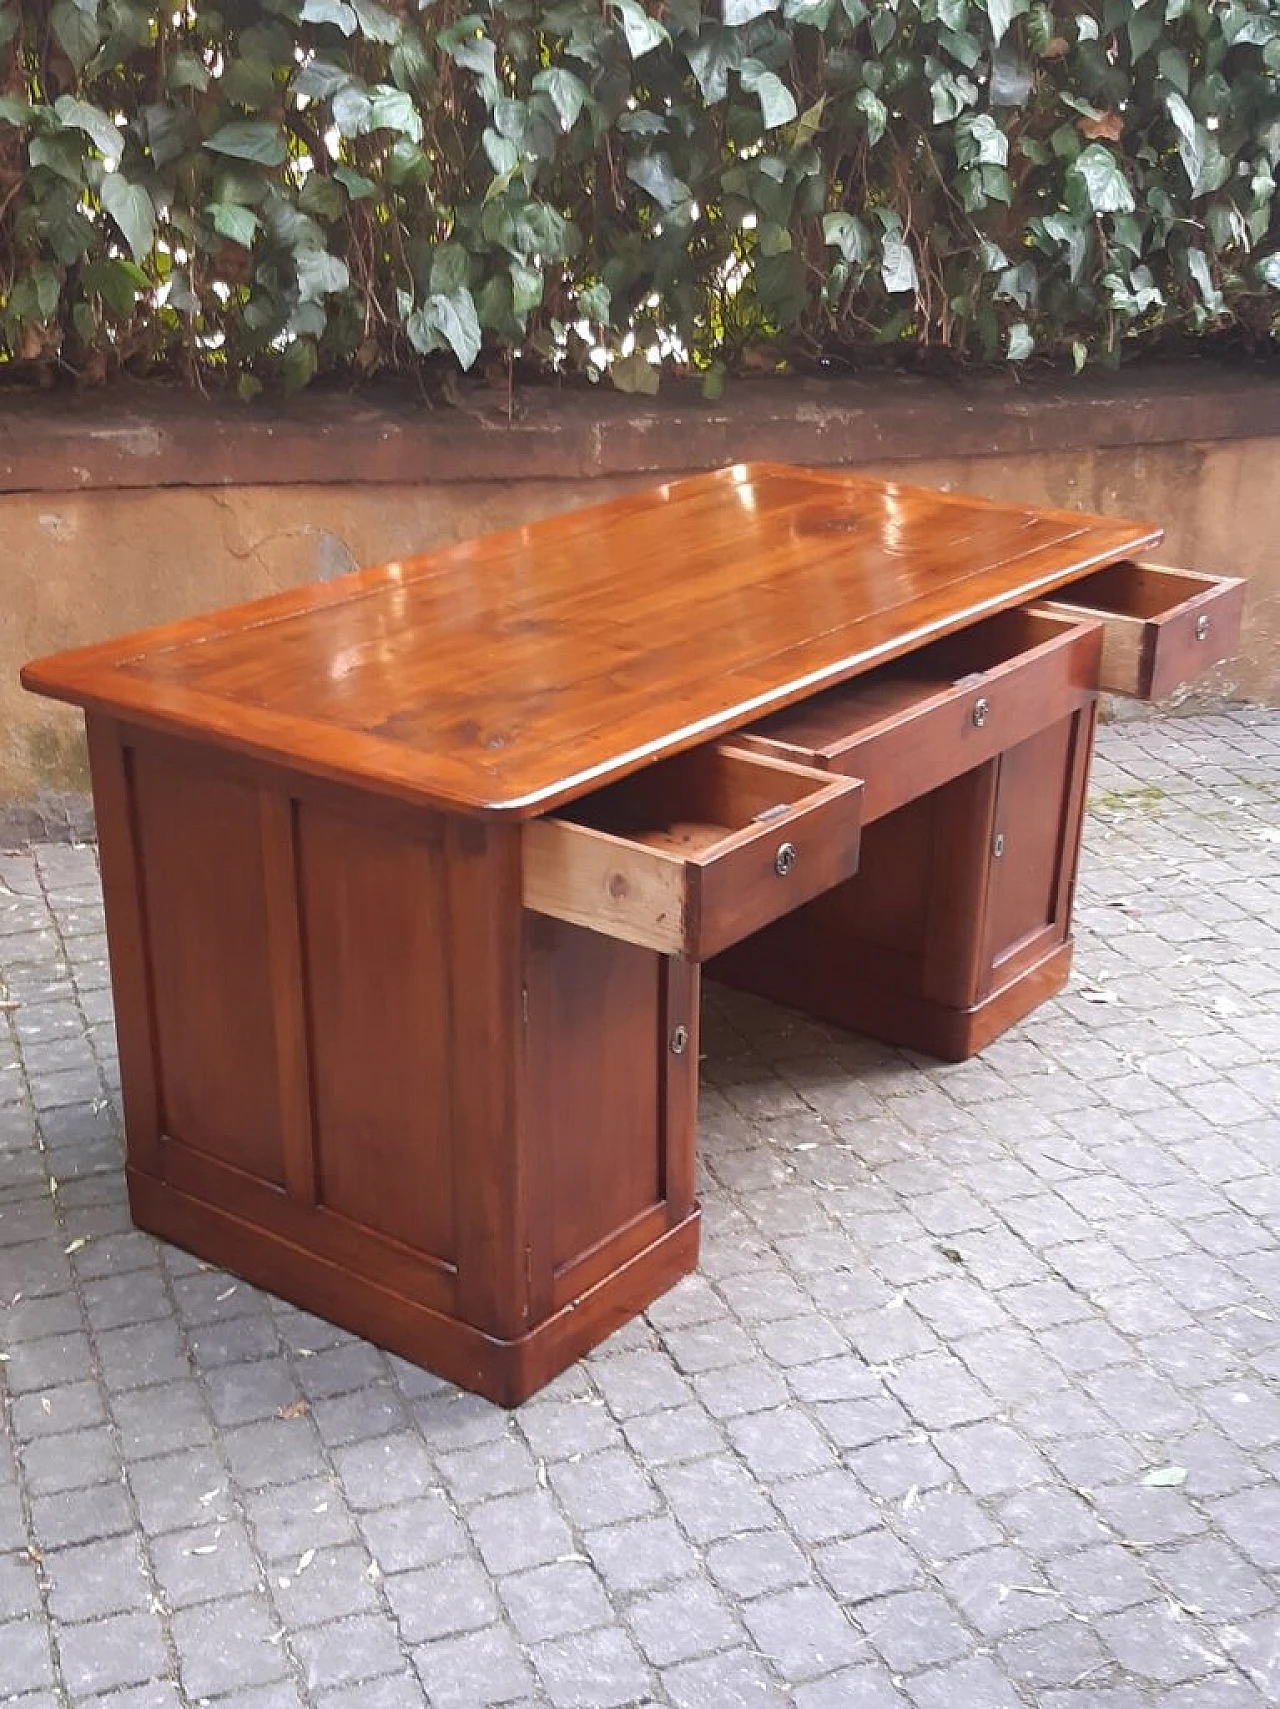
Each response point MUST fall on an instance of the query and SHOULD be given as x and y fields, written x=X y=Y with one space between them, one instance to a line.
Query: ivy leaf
x=391 y=109
x=1198 y=267
x=447 y=322
x=130 y=207
x=777 y=103
x=1268 y=270
x=654 y=173
x=1166 y=1477
x=77 y=30
x=980 y=141
x=635 y=373
x=642 y=32
x=1020 y=343
x=234 y=222
x=526 y=287
x=898 y=268
x=301 y=361
x=376 y=23
x=737 y=12
x=335 y=12
x=355 y=183
x=1105 y=186
x=568 y=93
x=186 y=71
x=712 y=57
x=16 y=112
x=96 y=125
x=847 y=233
x=320 y=274
x=117 y=282
x=249 y=139
x=874 y=111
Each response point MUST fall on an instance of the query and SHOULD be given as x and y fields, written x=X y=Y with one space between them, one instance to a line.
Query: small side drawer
x=695 y=852
x=915 y=724
x=1161 y=627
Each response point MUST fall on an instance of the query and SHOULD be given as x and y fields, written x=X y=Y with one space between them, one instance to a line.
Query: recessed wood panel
x=200 y=853
x=1031 y=804
x=373 y=923
x=594 y=1081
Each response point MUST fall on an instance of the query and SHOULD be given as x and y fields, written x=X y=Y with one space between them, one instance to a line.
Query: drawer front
x=918 y=728
x=1162 y=628
x=695 y=852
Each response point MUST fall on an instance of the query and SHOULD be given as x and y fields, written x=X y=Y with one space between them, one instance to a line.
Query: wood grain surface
x=513 y=673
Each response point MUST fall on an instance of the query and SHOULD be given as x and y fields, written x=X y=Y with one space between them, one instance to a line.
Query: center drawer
x=915 y=724
x=694 y=852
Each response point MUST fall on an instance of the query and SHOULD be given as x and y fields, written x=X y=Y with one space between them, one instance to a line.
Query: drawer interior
x=693 y=802
x=1141 y=591
x=839 y=714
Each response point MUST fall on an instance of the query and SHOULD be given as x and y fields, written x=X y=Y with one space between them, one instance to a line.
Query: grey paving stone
x=640 y=1554
x=1155 y=1643
x=124 y=1649
x=228 y=1645
x=867 y=1566
x=804 y=1632
x=603 y=1489
x=19 y=1590
x=975 y=1682
x=324 y=1584
x=161 y=1420
x=441 y=1601
x=53 y=1412
x=682 y=1623
x=913 y=1629
x=73 y=1461
x=553 y=1600
x=89 y=1580
x=748 y=1566
x=176 y=1491
x=296 y=1517
x=1100 y=1580
x=675 y=1434
x=385 y=1471
x=345 y=1651
x=592 y=1670
x=478 y=1668
x=1001 y=1591
x=25 y=1662
x=80 y=1515
x=735 y=1679
x=206 y=1563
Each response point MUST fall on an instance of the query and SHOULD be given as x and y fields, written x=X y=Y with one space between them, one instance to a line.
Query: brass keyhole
x=785 y=859
x=1202 y=628
x=997 y=847
x=980 y=710
x=679 y=1041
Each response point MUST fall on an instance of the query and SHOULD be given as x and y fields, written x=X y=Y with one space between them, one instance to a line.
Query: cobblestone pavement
x=974 y=1403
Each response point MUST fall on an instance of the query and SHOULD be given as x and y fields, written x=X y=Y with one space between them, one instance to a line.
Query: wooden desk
x=409 y=876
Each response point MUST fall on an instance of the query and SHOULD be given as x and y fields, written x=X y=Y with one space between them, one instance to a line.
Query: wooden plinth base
x=505 y=1372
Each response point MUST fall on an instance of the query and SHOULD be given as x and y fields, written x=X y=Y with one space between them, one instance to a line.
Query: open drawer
x=694 y=852
x=914 y=724
x=1161 y=627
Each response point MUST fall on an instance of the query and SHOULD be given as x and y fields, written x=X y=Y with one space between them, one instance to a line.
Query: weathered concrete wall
x=83 y=564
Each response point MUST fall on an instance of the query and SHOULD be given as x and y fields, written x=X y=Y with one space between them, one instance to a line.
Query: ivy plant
x=255 y=192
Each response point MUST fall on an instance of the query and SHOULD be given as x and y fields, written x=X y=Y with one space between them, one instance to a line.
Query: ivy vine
x=254 y=192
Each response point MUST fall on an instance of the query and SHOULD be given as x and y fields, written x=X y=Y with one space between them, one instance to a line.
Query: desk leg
x=358 y=1074
x=958 y=922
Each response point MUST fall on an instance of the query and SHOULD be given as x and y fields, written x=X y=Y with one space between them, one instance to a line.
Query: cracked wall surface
x=81 y=567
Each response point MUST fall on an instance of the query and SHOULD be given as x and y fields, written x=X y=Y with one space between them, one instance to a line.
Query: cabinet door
x=1034 y=838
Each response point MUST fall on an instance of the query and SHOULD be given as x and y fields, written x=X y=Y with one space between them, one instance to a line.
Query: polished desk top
x=511 y=673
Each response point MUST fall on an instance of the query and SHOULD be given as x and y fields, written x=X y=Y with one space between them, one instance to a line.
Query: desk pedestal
x=357 y=1073
x=957 y=923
